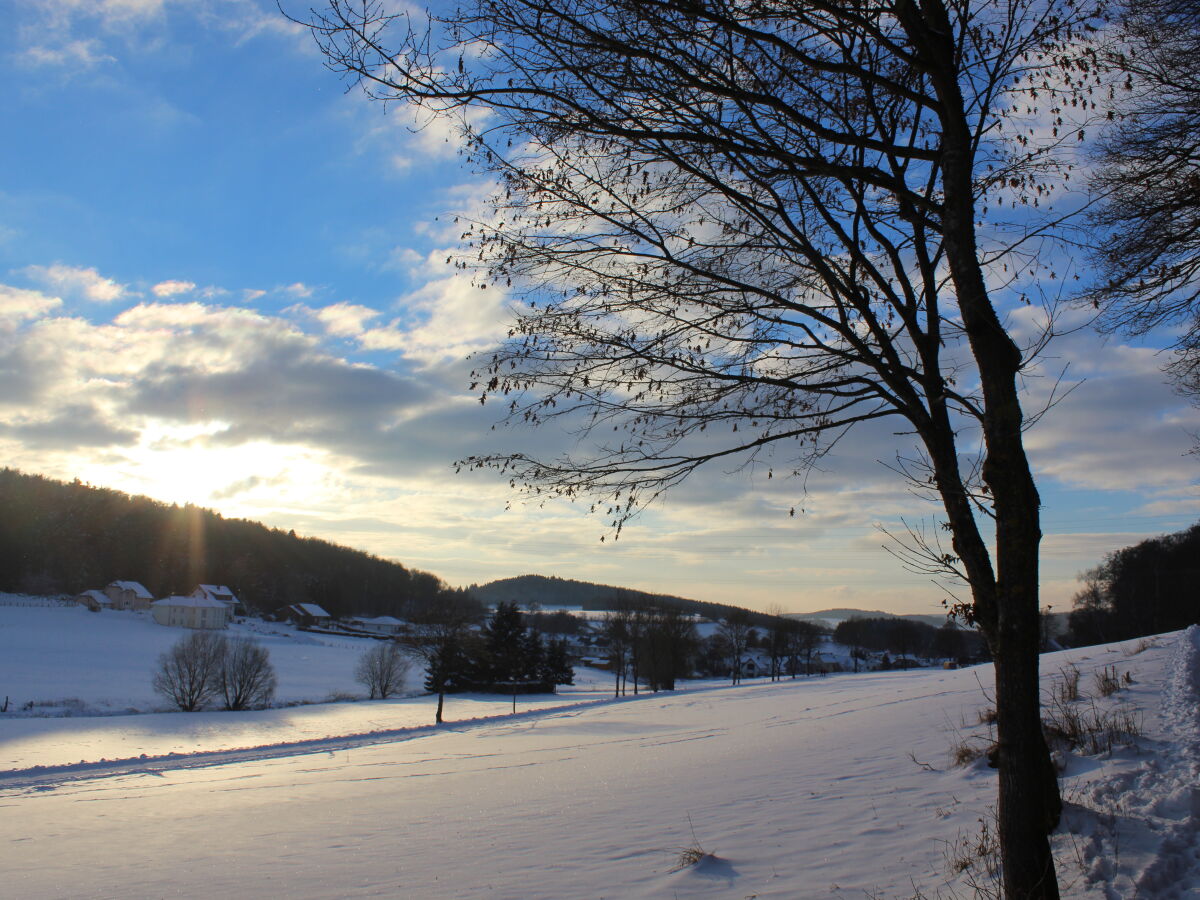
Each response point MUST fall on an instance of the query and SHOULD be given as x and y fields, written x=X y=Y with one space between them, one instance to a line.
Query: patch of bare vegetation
x=975 y=858
x=1066 y=687
x=691 y=855
x=1108 y=682
x=1089 y=729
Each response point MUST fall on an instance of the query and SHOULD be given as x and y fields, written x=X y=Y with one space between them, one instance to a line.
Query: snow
x=839 y=786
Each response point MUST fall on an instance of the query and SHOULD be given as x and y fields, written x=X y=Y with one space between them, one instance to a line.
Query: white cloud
x=298 y=289
x=251 y=294
x=171 y=287
x=73 y=281
x=18 y=305
x=447 y=319
x=345 y=319
x=77 y=54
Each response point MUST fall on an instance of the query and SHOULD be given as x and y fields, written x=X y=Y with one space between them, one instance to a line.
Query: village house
x=191 y=612
x=129 y=595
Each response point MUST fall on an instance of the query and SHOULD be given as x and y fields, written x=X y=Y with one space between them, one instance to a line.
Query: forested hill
x=57 y=537
x=552 y=591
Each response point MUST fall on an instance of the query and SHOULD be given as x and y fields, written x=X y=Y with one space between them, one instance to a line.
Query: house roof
x=213 y=591
x=97 y=596
x=139 y=590
x=311 y=609
x=204 y=602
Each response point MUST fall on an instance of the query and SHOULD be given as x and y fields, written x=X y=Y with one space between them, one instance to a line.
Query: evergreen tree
x=556 y=667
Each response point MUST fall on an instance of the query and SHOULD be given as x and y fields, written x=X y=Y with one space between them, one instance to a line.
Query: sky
x=224 y=281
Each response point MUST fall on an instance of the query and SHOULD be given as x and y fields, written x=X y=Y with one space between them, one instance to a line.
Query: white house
x=216 y=592
x=129 y=595
x=191 y=612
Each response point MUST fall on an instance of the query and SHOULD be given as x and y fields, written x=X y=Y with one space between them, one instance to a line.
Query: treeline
x=651 y=645
x=65 y=538
x=908 y=639
x=1145 y=589
x=552 y=591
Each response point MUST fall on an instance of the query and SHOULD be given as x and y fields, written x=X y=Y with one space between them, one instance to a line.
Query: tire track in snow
x=45 y=778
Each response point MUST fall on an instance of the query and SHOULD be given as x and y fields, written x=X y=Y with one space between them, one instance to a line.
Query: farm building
x=306 y=615
x=377 y=625
x=94 y=600
x=129 y=595
x=191 y=612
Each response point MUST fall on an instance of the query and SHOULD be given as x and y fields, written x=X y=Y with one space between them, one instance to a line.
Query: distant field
x=68 y=661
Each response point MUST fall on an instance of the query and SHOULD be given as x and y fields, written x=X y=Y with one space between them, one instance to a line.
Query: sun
x=194 y=464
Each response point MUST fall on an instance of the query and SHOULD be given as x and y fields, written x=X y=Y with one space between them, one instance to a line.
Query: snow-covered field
x=827 y=787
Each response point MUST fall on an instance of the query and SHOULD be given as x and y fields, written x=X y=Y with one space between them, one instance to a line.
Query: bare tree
x=382 y=670
x=189 y=674
x=1148 y=238
x=806 y=640
x=739 y=227
x=735 y=629
x=616 y=634
x=670 y=639
x=635 y=626
x=247 y=677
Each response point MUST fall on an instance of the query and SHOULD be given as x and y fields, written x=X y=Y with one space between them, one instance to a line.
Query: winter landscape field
x=842 y=786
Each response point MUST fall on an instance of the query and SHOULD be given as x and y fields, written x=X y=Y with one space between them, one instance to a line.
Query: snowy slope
x=813 y=788
x=72 y=660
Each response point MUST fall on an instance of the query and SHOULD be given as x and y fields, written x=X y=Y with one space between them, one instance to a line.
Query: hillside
x=65 y=538
x=553 y=591
x=832 y=617
x=839 y=787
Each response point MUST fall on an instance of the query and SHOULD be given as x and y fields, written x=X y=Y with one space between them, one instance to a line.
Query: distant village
x=213 y=606
x=587 y=637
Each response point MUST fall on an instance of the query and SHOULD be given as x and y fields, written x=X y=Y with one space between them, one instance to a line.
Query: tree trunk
x=1005 y=599
x=441 y=702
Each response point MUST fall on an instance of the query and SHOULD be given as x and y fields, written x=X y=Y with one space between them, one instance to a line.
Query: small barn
x=94 y=600
x=129 y=595
x=191 y=612
x=306 y=615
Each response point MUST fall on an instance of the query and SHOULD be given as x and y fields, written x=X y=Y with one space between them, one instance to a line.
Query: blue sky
x=223 y=281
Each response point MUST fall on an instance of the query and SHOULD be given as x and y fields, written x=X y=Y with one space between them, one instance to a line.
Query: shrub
x=247 y=676
x=382 y=670
x=189 y=674
x=205 y=665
